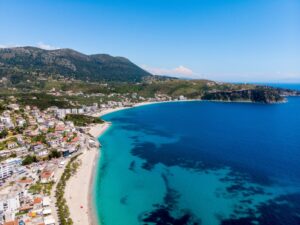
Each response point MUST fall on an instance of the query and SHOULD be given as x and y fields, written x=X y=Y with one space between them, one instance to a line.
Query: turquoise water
x=201 y=163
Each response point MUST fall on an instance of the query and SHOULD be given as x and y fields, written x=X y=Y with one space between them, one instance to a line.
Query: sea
x=201 y=163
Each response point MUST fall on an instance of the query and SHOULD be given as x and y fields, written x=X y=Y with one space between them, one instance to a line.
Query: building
x=11 y=145
x=9 y=166
x=9 y=205
x=47 y=176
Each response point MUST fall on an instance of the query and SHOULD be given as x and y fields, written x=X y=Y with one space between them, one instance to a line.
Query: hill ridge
x=27 y=61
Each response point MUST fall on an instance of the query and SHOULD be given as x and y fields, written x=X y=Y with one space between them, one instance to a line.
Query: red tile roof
x=11 y=223
x=37 y=200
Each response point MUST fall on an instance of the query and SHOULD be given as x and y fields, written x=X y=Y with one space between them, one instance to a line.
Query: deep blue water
x=293 y=86
x=201 y=163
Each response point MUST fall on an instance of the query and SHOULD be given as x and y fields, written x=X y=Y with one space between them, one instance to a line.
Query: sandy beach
x=107 y=111
x=78 y=190
x=111 y=110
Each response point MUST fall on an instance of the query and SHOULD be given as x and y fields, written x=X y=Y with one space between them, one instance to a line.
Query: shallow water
x=201 y=163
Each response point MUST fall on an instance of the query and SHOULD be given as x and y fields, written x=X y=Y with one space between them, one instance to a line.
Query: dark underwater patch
x=162 y=216
x=279 y=211
x=177 y=154
x=132 y=166
x=163 y=213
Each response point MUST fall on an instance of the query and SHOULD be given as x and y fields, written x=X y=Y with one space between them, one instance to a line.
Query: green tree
x=29 y=159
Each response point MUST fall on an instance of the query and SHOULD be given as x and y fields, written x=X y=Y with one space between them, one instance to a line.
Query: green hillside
x=28 y=63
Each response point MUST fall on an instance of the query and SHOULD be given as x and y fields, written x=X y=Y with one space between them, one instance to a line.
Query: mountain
x=26 y=63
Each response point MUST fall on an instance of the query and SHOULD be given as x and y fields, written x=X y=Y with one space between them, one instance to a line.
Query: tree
x=54 y=154
x=29 y=159
x=3 y=134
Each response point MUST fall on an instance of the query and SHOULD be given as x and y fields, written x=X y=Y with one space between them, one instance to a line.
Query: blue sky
x=225 y=40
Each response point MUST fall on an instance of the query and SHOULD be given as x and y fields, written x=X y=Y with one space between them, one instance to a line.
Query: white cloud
x=39 y=45
x=178 y=71
x=8 y=46
x=46 y=46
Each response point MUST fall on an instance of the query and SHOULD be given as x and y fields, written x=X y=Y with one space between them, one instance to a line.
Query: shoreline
x=112 y=110
x=79 y=189
x=96 y=131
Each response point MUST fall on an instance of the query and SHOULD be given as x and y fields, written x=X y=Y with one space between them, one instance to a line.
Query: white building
x=9 y=166
x=74 y=111
x=21 y=122
x=9 y=205
x=61 y=113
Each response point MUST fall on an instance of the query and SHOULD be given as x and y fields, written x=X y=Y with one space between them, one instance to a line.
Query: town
x=35 y=148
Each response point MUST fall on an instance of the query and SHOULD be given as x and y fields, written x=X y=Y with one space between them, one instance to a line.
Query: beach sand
x=107 y=111
x=78 y=191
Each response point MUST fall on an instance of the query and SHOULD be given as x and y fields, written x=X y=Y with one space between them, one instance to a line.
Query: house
x=13 y=106
x=53 y=143
x=47 y=176
x=20 y=122
x=40 y=120
x=60 y=128
x=5 y=171
x=42 y=153
x=4 y=153
x=49 y=220
x=11 y=145
x=47 y=211
x=2 y=127
x=9 y=205
x=37 y=147
x=50 y=124
x=9 y=166
x=21 y=151
x=20 y=140
x=38 y=202
x=46 y=202
x=13 y=222
x=80 y=111
x=74 y=111
x=6 y=120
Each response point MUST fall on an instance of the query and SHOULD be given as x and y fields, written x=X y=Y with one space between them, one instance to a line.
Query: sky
x=223 y=40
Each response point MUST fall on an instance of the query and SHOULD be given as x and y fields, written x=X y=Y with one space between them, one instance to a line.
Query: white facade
x=9 y=204
x=9 y=166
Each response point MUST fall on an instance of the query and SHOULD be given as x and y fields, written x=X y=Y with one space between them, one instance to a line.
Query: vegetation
x=29 y=159
x=32 y=75
x=39 y=188
x=257 y=95
x=2 y=108
x=54 y=154
x=63 y=210
x=28 y=63
x=39 y=138
x=42 y=100
x=3 y=134
x=82 y=120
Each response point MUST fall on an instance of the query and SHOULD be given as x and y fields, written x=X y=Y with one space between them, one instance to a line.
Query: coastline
x=83 y=196
x=88 y=169
x=79 y=189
